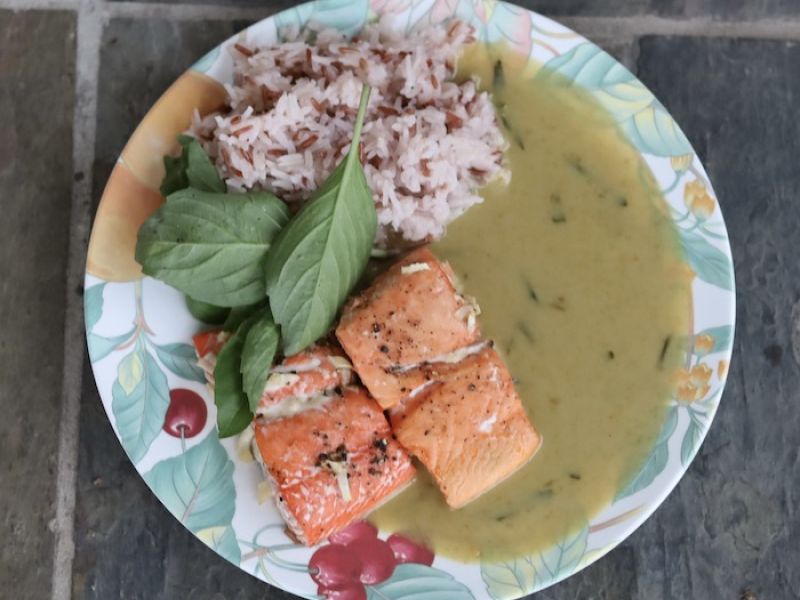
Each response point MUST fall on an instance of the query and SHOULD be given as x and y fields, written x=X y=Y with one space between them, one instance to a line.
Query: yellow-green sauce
x=581 y=281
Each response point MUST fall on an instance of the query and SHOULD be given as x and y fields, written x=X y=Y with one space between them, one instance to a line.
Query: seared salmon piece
x=468 y=427
x=303 y=380
x=411 y=315
x=210 y=342
x=207 y=345
x=331 y=465
x=298 y=382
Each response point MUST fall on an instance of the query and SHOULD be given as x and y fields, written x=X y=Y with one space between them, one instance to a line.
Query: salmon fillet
x=468 y=427
x=331 y=465
x=411 y=315
x=301 y=381
x=207 y=345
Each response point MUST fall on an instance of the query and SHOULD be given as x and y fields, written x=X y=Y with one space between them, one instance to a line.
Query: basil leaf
x=192 y=168
x=233 y=410
x=239 y=314
x=200 y=171
x=175 y=178
x=259 y=351
x=207 y=313
x=212 y=246
x=319 y=256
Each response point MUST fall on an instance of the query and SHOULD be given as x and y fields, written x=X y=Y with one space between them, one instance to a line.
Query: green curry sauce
x=583 y=287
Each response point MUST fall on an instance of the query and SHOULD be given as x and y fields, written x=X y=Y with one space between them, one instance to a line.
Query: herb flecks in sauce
x=664 y=349
x=557 y=215
x=531 y=291
x=616 y=271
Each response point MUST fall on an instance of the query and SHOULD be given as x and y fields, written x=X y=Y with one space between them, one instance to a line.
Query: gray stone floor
x=77 y=521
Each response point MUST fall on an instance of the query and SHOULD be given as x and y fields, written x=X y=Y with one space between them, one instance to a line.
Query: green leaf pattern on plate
x=197 y=488
x=222 y=540
x=93 y=305
x=181 y=359
x=100 y=346
x=509 y=579
x=517 y=577
x=348 y=16
x=140 y=397
x=709 y=262
x=644 y=119
x=415 y=582
x=657 y=459
x=691 y=440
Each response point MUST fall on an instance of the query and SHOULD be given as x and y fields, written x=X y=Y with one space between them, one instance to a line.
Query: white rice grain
x=428 y=142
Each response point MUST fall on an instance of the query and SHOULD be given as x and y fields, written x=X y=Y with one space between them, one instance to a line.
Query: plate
x=139 y=331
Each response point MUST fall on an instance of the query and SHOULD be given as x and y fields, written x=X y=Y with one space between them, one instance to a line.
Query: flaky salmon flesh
x=325 y=445
x=304 y=380
x=468 y=427
x=411 y=315
x=332 y=464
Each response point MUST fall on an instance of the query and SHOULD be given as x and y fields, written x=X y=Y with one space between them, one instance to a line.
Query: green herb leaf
x=192 y=168
x=207 y=313
x=200 y=171
x=175 y=178
x=320 y=255
x=259 y=351
x=239 y=314
x=212 y=246
x=233 y=409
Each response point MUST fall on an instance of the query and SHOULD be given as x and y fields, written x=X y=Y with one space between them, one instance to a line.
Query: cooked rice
x=428 y=143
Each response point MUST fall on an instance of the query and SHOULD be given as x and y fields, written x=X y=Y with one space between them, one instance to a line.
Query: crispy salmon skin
x=410 y=315
x=332 y=464
x=468 y=427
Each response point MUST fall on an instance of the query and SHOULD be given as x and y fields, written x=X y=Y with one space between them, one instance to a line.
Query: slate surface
x=730 y=530
x=36 y=183
x=720 y=9
x=737 y=524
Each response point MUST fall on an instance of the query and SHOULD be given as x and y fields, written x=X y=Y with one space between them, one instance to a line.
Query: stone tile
x=139 y=59
x=718 y=9
x=730 y=524
x=727 y=10
x=127 y=544
x=604 y=8
x=36 y=108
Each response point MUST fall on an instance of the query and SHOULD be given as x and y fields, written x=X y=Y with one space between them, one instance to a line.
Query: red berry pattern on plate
x=357 y=559
x=351 y=591
x=333 y=567
x=408 y=551
x=354 y=531
x=186 y=415
x=376 y=558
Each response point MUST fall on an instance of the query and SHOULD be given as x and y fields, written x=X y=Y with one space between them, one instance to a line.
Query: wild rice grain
x=244 y=50
x=428 y=143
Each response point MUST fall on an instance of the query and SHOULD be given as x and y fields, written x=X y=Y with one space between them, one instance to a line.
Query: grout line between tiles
x=787 y=28
x=87 y=58
x=609 y=27
x=39 y=4
x=189 y=12
x=638 y=26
